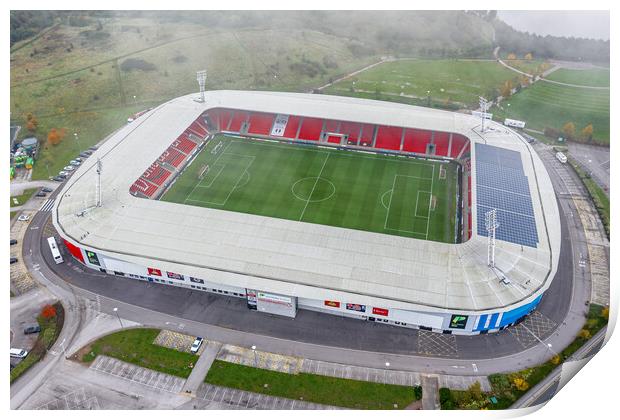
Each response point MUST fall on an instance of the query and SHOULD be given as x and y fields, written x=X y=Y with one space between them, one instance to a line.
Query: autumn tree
x=569 y=129
x=585 y=334
x=48 y=312
x=556 y=359
x=511 y=56
x=506 y=89
x=605 y=312
x=31 y=122
x=587 y=131
x=55 y=136
x=521 y=384
x=528 y=56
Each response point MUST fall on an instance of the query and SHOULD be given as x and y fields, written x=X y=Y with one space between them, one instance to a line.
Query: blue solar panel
x=501 y=184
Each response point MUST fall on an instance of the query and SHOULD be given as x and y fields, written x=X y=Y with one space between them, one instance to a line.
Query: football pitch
x=386 y=194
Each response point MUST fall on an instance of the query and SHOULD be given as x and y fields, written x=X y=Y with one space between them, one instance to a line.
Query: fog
x=579 y=23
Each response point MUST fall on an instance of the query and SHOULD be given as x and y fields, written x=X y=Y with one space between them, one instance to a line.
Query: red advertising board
x=332 y=303
x=380 y=311
x=154 y=272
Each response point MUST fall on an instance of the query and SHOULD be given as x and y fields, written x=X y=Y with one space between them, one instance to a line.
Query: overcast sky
x=583 y=24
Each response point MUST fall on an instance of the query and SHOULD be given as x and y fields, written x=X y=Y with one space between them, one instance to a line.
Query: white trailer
x=54 y=248
x=514 y=123
x=561 y=157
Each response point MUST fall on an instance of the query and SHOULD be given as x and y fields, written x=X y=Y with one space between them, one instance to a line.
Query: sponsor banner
x=380 y=311
x=92 y=258
x=195 y=280
x=279 y=125
x=479 y=114
x=356 y=307
x=332 y=303
x=251 y=295
x=154 y=272
x=175 y=276
x=458 y=321
x=276 y=299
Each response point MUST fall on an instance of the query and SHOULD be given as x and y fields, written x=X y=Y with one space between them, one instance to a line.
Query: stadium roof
x=297 y=258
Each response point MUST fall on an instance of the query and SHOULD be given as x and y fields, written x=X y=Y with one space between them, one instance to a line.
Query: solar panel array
x=501 y=184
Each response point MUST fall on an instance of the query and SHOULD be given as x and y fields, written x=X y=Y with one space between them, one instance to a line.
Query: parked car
x=196 y=345
x=41 y=194
x=13 y=241
x=75 y=162
x=93 y=148
x=20 y=353
x=13 y=260
x=47 y=189
x=58 y=178
x=23 y=218
x=63 y=174
x=32 y=329
x=79 y=159
x=68 y=168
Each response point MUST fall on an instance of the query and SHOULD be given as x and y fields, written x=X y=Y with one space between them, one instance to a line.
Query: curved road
x=312 y=335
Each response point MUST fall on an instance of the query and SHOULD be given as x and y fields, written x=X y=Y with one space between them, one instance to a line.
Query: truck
x=514 y=123
x=561 y=157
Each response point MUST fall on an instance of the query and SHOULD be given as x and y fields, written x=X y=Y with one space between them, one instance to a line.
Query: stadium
x=379 y=211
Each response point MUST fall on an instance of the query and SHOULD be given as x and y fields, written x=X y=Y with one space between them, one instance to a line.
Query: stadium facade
x=279 y=266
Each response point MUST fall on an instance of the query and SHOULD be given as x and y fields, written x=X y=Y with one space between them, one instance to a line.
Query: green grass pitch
x=386 y=194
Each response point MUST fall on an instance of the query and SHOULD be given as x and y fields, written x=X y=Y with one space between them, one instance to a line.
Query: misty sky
x=583 y=24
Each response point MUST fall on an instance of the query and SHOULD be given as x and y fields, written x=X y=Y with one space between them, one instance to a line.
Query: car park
x=32 y=329
x=196 y=345
x=23 y=218
x=19 y=353
x=13 y=260
x=13 y=241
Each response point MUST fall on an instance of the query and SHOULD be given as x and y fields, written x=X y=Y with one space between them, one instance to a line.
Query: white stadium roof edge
x=297 y=258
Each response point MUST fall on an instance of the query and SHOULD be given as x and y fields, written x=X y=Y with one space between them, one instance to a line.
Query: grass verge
x=600 y=199
x=136 y=346
x=50 y=329
x=21 y=199
x=509 y=387
x=315 y=388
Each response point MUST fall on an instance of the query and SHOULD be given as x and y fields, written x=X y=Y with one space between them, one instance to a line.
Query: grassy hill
x=597 y=77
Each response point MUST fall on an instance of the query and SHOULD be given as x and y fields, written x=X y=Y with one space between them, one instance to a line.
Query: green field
x=21 y=199
x=587 y=77
x=386 y=194
x=549 y=105
x=458 y=82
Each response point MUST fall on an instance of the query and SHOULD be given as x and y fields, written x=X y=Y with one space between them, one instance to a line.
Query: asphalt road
x=594 y=159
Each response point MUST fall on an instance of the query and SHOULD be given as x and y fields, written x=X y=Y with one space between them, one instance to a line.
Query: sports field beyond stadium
x=386 y=194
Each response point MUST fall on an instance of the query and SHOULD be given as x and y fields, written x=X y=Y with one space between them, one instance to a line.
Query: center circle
x=313 y=189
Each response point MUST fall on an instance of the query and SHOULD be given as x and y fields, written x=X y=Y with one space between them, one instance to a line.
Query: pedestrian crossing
x=47 y=205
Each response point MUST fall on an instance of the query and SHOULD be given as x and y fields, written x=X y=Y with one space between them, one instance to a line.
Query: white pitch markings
x=428 y=220
x=313 y=187
x=198 y=183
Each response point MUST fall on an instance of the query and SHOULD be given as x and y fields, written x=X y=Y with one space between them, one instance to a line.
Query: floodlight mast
x=484 y=106
x=490 y=219
x=201 y=77
x=99 y=170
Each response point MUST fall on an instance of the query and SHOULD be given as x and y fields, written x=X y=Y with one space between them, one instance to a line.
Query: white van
x=20 y=353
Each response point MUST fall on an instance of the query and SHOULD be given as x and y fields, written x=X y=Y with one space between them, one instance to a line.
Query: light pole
x=428 y=98
x=134 y=100
x=387 y=366
x=255 y=359
x=118 y=316
x=77 y=141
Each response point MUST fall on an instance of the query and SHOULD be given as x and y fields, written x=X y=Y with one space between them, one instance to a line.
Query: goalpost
x=203 y=171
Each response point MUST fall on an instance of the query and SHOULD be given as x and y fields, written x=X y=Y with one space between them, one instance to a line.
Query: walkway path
x=199 y=372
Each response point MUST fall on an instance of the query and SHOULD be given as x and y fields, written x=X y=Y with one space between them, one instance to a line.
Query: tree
x=605 y=312
x=587 y=131
x=55 y=136
x=48 y=312
x=585 y=334
x=569 y=129
x=31 y=122
x=476 y=390
x=521 y=384
x=506 y=88
x=528 y=56
x=556 y=359
x=511 y=56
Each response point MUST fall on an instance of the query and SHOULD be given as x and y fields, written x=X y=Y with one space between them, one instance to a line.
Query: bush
x=48 y=312
x=131 y=64
x=445 y=399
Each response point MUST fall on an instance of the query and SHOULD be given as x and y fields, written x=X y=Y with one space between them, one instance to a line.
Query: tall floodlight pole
x=490 y=219
x=201 y=76
x=99 y=170
x=484 y=106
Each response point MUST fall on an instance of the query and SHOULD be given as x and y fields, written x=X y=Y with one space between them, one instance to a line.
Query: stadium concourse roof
x=296 y=258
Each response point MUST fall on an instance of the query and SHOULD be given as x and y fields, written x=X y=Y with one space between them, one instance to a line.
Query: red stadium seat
x=441 y=141
x=310 y=129
x=261 y=123
x=365 y=138
x=156 y=174
x=290 y=132
x=184 y=144
x=352 y=130
x=388 y=137
x=239 y=117
x=225 y=116
x=416 y=140
x=458 y=144
x=143 y=186
x=331 y=126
